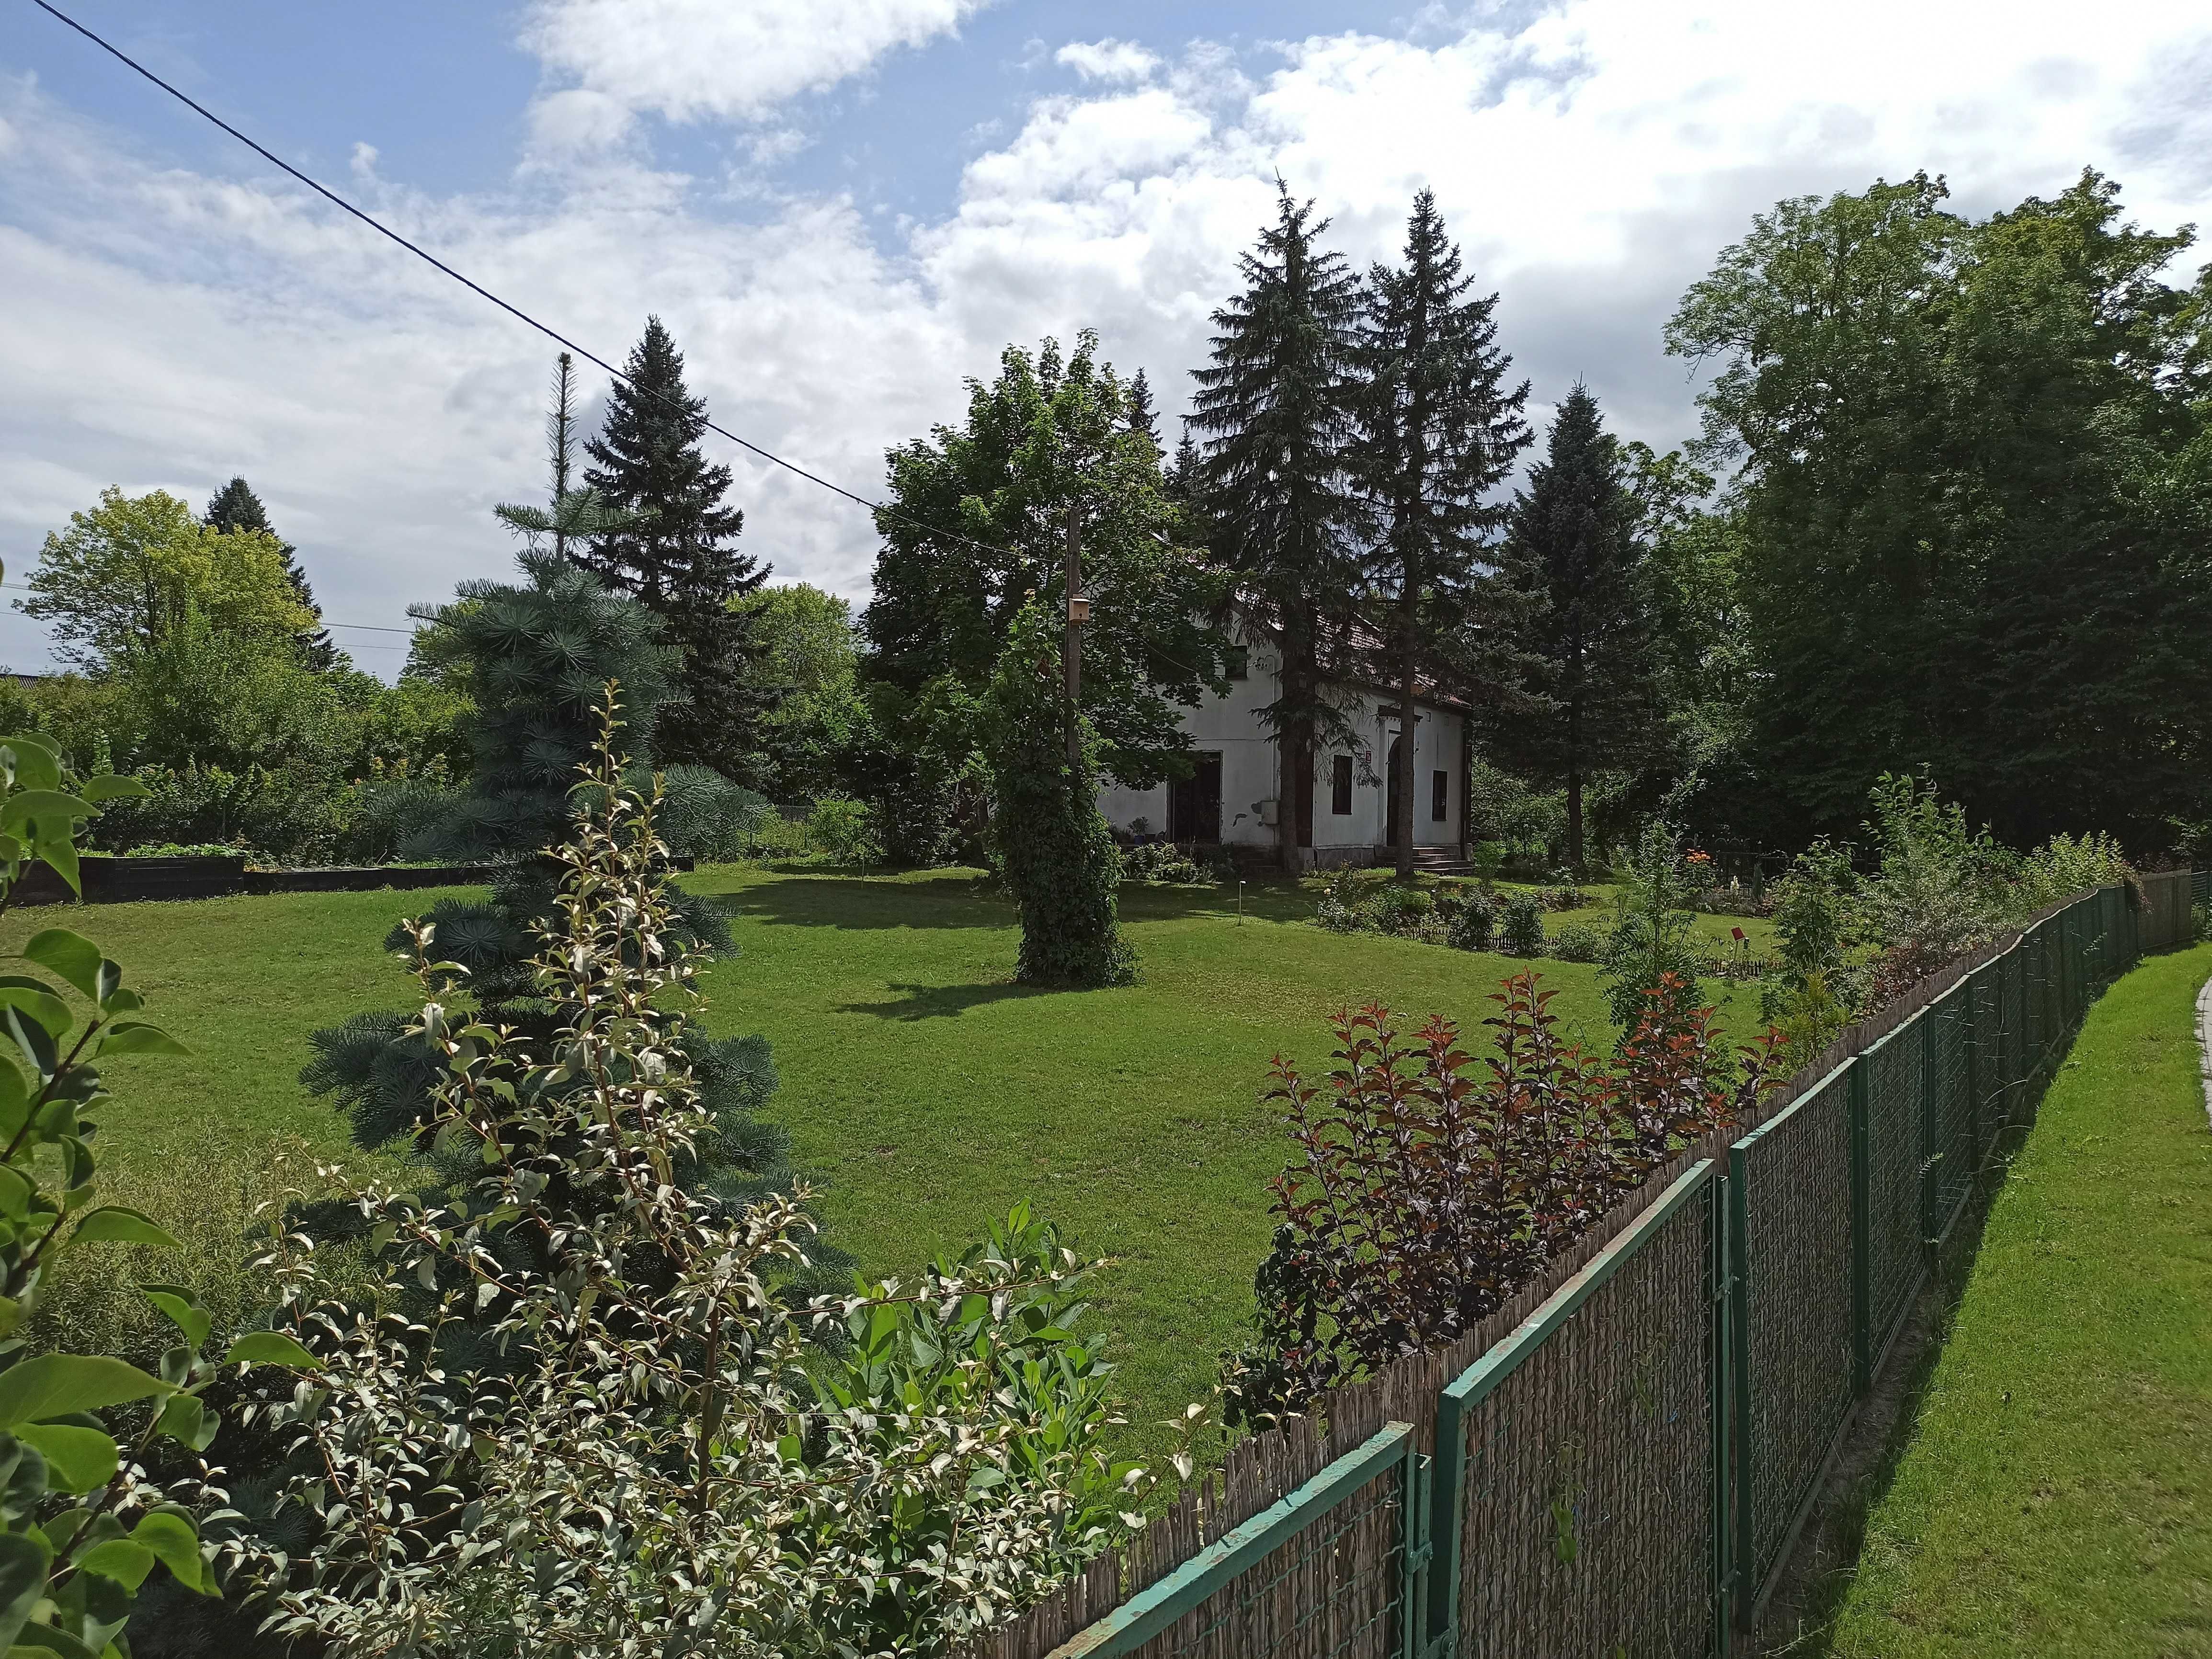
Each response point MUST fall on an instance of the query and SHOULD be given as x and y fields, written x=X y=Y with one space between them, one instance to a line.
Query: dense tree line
x=1947 y=516
x=1972 y=488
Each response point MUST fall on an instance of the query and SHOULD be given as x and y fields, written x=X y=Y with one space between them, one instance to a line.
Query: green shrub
x=704 y=816
x=904 y=1493
x=1160 y=864
x=1343 y=909
x=846 y=830
x=1473 y=922
x=294 y=819
x=87 y=1521
x=1052 y=850
x=380 y=814
x=1520 y=927
x=1403 y=910
x=1579 y=942
x=1653 y=942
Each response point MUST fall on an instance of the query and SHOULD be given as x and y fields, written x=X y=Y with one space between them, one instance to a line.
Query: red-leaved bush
x=1428 y=1187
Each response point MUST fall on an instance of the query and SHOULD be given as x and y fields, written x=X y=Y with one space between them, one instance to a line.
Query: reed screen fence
x=1620 y=1461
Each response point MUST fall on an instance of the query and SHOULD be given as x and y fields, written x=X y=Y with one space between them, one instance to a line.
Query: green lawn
x=2056 y=1497
x=924 y=1092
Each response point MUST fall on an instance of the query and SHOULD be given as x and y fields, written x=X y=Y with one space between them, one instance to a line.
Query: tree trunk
x=1408 y=720
x=1575 y=784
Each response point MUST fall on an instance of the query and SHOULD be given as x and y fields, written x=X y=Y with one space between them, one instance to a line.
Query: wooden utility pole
x=1079 y=612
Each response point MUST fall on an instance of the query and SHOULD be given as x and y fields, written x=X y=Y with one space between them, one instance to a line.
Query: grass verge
x=2055 y=1496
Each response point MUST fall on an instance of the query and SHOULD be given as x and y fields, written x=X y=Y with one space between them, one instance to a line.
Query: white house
x=1237 y=796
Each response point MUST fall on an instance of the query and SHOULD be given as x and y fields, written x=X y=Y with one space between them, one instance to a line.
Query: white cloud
x=168 y=328
x=697 y=59
x=1108 y=60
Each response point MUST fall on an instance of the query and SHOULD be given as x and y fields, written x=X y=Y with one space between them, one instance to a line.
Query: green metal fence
x=1621 y=1462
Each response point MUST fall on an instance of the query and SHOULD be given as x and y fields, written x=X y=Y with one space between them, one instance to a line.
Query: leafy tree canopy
x=235 y=507
x=978 y=524
x=1973 y=484
x=125 y=577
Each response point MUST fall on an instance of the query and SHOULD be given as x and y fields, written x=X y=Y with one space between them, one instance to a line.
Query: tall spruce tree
x=1141 y=415
x=1277 y=402
x=678 y=556
x=235 y=507
x=1572 y=554
x=1440 y=431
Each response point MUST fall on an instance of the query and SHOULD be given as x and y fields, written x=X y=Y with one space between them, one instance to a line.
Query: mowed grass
x=926 y=1093
x=930 y=1093
x=2055 y=1496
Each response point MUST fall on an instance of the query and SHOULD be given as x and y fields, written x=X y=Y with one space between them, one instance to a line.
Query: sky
x=842 y=209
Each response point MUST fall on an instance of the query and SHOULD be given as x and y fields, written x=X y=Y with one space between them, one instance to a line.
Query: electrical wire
x=483 y=292
x=514 y=311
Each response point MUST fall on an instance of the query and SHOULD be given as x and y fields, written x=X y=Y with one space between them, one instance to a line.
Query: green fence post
x=1447 y=1470
x=1973 y=987
x=1739 y=1380
x=1413 y=1532
x=1930 y=1152
x=1717 y=1207
x=1861 y=1129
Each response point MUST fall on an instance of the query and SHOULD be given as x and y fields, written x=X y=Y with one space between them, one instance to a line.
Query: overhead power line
x=477 y=288
x=320 y=621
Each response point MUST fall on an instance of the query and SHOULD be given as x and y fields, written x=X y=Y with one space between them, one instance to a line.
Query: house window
x=1439 y=795
x=1340 y=786
x=1239 y=662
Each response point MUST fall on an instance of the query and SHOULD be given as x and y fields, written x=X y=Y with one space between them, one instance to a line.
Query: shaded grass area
x=2055 y=1496
x=924 y=1092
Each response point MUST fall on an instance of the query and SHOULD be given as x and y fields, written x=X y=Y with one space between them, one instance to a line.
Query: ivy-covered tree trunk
x=1056 y=853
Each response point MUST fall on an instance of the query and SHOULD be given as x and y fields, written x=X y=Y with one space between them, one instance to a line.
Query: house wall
x=1248 y=781
x=1252 y=789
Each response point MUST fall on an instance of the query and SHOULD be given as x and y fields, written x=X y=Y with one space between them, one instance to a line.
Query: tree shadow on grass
x=943 y=1001
x=850 y=902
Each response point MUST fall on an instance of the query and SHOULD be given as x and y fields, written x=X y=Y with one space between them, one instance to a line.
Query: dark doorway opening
x=1194 y=802
x=1390 y=811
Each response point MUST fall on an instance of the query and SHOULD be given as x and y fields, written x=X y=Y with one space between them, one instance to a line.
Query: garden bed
x=110 y=880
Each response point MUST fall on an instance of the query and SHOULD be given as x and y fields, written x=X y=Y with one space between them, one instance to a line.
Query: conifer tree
x=1277 y=404
x=1572 y=556
x=678 y=555
x=1141 y=416
x=572 y=517
x=1182 y=477
x=235 y=507
x=1439 y=433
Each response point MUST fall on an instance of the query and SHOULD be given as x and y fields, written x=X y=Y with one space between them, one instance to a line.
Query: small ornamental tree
x=1653 y=939
x=83 y=1523
x=1053 y=849
x=540 y=655
x=658 y=1467
x=1422 y=1197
